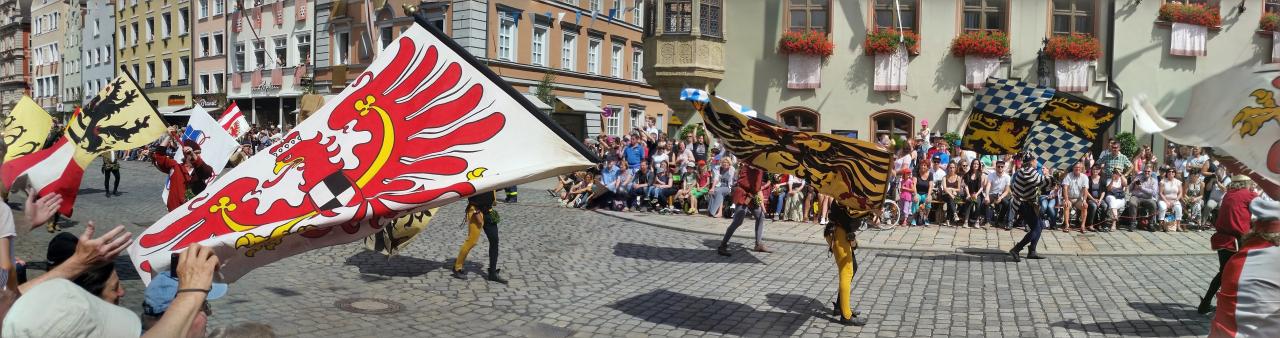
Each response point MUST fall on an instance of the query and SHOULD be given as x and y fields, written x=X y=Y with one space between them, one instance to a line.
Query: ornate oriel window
x=709 y=18
x=678 y=16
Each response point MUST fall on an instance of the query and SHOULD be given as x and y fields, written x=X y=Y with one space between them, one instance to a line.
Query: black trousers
x=106 y=177
x=1223 y=256
x=1030 y=213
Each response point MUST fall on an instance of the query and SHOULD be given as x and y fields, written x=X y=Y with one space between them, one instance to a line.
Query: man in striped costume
x=1027 y=186
x=1250 y=296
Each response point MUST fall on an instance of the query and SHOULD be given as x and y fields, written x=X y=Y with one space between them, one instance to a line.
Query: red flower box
x=984 y=44
x=1195 y=14
x=885 y=41
x=1270 y=22
x=1074 y=47
x=807 y=42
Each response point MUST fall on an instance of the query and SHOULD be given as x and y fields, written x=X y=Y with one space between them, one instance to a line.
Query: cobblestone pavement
x=576 y=273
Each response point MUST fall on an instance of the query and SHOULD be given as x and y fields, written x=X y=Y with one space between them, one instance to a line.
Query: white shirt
x=1074 y=183
x=998 y=183
x=7 y=233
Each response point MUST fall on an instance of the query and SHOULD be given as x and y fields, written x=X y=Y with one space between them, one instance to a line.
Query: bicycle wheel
x=890 y=215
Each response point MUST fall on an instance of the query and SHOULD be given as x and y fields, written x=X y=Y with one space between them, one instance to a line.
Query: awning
x=174 y=111
x=579 y=105
x=537 y=102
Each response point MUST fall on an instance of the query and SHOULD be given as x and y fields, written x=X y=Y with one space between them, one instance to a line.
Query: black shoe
x=723 y=250
x=1014 y=253
x=108 y=194
x=459 y=274
x=835 y=310
x=1205 y=309
x=855 y=321
x=1034 y=256
x=493 y=276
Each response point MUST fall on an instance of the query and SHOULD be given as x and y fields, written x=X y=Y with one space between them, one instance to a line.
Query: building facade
x=71 y=93
x=271 y=53
x=595 y=60
x=48 y=23
x=154 y=40
x=15 y=73
x=210 y=54
x=756 y=72
x=98 y=56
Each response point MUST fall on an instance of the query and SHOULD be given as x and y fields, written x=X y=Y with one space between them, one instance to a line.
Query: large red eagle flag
x=426 y=124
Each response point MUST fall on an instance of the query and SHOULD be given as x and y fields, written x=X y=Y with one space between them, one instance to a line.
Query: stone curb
x=897 y=247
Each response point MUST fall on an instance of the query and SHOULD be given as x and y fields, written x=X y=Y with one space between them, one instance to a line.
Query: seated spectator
x=1114 y=195
x=722 y=180
x=1142 y=194
x=1171 y=195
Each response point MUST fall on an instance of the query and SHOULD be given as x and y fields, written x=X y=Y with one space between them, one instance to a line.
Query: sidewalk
x=947 y=239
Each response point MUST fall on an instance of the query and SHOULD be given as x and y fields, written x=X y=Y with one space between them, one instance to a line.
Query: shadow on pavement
x=946 y=257
x=1181 y=316
x=798 y=304
x=374 y=263
x=708 y=314
x=683 y=255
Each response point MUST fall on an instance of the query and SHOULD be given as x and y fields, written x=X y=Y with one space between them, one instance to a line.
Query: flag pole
x=897 y=12
x=420 y=18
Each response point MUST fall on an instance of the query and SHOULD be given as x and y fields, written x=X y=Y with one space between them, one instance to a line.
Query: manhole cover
x=368 y=306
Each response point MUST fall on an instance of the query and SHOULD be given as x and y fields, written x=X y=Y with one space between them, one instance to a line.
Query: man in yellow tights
x=480 y=216
x=841 y=241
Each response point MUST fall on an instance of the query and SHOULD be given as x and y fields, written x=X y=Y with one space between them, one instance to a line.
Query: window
x=805 y=15
x=800 y=119
x=183 y=16
x=568 y=51
x=892 y=123
x=679 y=16
x=217 y=44
x=259 y=54
x=637 y=12
x=124 y=33
x=282 y=50
x=204 y=46
x=202 y=84
x=133 y=34
x=1271 y=6
x=613 y=123
x=216 y=83
x=1073 y=16
x=184 y=63
x=386 y=35
x=304 y=48
x=637 y=117
x=137 y=74
x=538 y=47
x=615 y=61
x=887 y=17
x=203 y=11
x=165 y=22
x=96 y=32
x=637 y=61
x=343 y=44
x=151 y=24
x=593 y=56
x=218 y=5
x=709 y=19
x=985 y=15
x=151 y=72
x=595 y=5
x=166 y=68
x=506 y=37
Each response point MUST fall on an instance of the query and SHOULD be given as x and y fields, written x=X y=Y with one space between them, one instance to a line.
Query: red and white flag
x=424 y=125
x=1248 y=301
x=232 y=120
x=119 y=118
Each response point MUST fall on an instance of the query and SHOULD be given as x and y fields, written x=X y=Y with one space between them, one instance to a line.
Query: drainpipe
x=1112 y=87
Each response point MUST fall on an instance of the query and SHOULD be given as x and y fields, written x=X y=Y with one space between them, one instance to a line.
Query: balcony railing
x=164 y=84
x=184 y=82
x=150 y=85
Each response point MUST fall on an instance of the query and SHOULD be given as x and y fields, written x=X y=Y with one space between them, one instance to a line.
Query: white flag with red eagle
x=424 y=125
x=1235 y=112
x=232 y=120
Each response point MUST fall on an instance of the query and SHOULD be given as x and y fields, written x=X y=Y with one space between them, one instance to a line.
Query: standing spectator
x=1230 y=227
x=795 y=199
x=662 y=154
x=748 y=195
x=1217 y=189
x=1142 y=194
x=997 y=198
x=1171 y=195
x=975 y=181
x=634 y=153
x=1075 y=192
x=1114 y=195
x=1113 y=159
x=907 y=196
x=700 y=149
x=722 y=179
x=1026 y=189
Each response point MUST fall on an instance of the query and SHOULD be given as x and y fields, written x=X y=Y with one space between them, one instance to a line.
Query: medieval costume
x=480 y=217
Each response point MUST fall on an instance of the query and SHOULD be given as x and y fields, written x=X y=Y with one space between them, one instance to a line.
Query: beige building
x=154 y=44
x=15 y=30
x=48 y=30
x=209 y=50
x=755 y=73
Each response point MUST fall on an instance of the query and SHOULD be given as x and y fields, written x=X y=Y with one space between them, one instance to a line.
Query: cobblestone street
x=581 y=273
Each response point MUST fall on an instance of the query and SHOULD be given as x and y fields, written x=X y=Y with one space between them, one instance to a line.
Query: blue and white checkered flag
x=694 y=94
x=1058 y=148
x=1011 y=98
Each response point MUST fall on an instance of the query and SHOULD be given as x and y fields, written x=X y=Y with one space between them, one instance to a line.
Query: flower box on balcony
x=1190 y=26
x=1072 y=55
x=982 y=52
x=805 y=51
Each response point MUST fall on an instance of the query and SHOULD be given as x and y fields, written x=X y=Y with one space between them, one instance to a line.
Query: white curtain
x=978 y=69
x=1275 y=47
x=1073 y=75
x=804 y=71
x=891 y=70
x=1187 y=39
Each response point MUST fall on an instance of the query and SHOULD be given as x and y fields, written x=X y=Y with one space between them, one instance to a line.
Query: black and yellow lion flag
x=1056 y=127
x=851 y=171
